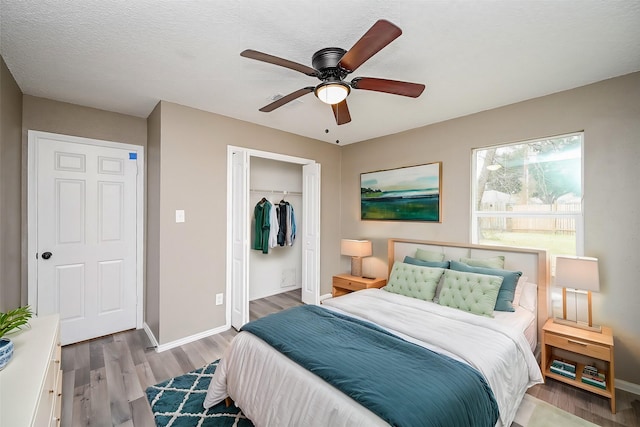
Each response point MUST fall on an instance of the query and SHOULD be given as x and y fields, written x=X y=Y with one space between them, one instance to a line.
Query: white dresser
x=31 y=384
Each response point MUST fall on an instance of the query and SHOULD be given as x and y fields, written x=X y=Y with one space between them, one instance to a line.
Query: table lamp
x=356 y=249
x=579 y=274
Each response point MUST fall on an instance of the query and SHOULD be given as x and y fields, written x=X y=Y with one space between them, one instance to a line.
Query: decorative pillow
x=508 y=288
x=475 y=293
x=493 y=262
x=416 y=261
x=414 y=281
x=425 y=255
x=529 y=298
x=516 y=298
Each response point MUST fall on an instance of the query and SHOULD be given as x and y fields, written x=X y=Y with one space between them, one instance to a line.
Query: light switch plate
x=219 y=299
x=179 y=215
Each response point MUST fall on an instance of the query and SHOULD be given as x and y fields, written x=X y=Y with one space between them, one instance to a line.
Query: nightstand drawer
x=347 y=284
x=579 y=346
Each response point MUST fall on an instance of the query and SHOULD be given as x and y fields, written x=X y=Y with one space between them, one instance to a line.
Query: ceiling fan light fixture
x=332 y=92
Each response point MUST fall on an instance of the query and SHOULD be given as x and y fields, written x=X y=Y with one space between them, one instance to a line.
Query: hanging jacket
x=261 y=225
x=275 y=227
x=282 y=223
x=290 y=234
x=293 y=226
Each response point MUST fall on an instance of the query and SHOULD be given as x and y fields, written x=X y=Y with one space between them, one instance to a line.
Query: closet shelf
x=284 y=192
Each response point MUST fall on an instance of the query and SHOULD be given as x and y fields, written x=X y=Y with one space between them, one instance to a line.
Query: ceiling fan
x=332 y=65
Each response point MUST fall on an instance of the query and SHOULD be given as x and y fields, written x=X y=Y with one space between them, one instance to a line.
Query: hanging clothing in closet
x=273 y=225
x=262 y=225
x=286 y=223
x=275 y=228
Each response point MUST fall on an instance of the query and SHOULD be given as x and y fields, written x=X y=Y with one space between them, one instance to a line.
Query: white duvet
x=274 y=391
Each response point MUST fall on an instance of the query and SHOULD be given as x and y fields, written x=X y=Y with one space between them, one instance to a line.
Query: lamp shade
x=358 y=248
x=577 y=273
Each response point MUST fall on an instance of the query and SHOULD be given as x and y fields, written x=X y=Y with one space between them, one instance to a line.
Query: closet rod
x=285 y=192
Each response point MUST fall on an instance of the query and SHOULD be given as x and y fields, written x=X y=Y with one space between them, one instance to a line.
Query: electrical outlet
x=219 y=299
x=180 y=215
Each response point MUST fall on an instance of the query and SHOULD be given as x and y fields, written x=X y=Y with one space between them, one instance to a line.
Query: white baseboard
x=152 y=338
x=182 y=341
x=627 y=386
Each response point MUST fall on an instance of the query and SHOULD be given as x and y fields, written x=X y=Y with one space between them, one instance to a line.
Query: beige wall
x=70 y=119
x=10 y=149
x=193 y=175
x=152 y=254
x=609 y=114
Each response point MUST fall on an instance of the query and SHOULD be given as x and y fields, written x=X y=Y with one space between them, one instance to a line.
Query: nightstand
x=580 y=347
x=345 y=283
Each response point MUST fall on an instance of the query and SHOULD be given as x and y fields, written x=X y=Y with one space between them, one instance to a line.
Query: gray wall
x=609 y=114
x=152 y=254
x=191 y=262
x=10 y=149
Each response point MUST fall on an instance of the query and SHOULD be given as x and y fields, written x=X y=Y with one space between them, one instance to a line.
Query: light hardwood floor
x=104 y=379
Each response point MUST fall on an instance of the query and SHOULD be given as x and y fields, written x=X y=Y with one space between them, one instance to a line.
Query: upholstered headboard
x=533 y=263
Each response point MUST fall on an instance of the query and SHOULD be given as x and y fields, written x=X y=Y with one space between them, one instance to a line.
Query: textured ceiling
x=125 y=56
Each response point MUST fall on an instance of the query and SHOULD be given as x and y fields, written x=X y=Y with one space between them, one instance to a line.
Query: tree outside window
x=529 y=194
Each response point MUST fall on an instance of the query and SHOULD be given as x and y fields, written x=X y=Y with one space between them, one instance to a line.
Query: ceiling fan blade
x=395 y=87
x=285 y=99
x=341 y=112
x=264 y=57
x=379 y=35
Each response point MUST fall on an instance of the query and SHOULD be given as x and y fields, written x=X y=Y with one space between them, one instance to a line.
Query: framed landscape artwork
x=405 y=194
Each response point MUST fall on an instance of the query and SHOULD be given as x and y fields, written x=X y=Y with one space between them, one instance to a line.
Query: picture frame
x=411 y=193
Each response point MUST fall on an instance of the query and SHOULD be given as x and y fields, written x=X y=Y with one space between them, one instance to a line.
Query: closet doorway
x=252 y=274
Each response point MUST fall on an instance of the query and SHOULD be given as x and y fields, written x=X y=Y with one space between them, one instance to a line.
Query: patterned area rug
x=178 y=403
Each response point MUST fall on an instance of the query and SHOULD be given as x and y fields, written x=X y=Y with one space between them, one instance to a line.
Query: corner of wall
x=12 y=275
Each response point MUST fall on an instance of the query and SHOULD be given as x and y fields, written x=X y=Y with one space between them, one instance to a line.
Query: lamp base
x=580 y=325
x=356 y=266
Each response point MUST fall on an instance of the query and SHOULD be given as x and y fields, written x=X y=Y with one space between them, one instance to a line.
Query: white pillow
x=529 y=297
x=521 y=281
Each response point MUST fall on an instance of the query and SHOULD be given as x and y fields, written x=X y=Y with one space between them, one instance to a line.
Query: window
x=529 y=194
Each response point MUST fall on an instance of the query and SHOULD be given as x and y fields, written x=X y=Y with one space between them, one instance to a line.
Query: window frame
x=577 y=216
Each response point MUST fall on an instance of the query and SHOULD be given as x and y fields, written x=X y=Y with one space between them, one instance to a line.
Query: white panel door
x=86 y=222
x=240 y=239
x=311 y=233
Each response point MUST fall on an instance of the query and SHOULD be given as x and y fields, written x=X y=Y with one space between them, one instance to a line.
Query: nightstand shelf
x=581 y=347
x=346 y=283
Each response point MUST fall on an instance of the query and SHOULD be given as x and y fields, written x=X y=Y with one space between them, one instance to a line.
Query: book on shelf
x=591 y=376
x=564 y=373
x=563 y=368
x=592 y=381
x=567 y=366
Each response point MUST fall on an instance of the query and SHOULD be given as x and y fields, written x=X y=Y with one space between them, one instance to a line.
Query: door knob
x=46 y=255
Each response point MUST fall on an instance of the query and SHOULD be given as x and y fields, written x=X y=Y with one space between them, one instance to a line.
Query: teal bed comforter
x=401 y=382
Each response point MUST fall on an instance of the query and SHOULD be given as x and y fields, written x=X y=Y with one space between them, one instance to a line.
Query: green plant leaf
x=14 y=319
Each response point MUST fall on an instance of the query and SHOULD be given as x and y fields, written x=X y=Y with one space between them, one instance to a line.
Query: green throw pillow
x=507 y=290
x=493 y=262
x=414 y=281
x=475 y=293
x=425 y=255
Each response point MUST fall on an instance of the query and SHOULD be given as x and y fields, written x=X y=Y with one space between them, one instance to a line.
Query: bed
x=273 y=390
